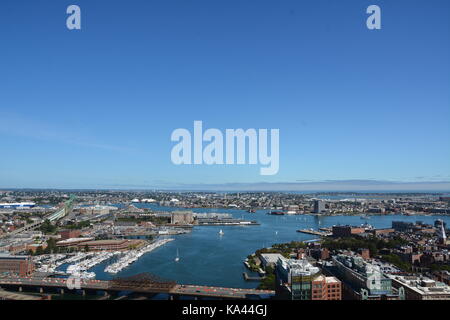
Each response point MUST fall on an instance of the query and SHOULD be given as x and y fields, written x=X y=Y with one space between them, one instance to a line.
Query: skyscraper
x=319 y=206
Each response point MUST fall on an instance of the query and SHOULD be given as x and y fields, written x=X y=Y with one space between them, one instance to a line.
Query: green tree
x=39 y=251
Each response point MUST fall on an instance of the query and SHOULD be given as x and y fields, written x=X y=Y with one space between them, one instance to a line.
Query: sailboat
x=177 y=258
x=221 y=232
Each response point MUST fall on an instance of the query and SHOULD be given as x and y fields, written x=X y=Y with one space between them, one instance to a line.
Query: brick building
x=67 y=234
x=16 y=265
x=364 y=253
x=100 y=245
x=326 y=288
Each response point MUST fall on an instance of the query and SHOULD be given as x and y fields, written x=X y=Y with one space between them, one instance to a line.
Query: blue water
x=209 y=259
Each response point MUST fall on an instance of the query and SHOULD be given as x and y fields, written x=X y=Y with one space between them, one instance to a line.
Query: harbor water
x=208 y=258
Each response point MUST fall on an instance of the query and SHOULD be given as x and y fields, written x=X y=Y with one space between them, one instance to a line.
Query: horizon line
x=350 y=185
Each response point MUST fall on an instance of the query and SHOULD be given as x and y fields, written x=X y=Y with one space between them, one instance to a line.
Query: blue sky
x=95 y=108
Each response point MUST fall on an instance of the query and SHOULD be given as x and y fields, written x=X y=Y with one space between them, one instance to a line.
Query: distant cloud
x=16 y=125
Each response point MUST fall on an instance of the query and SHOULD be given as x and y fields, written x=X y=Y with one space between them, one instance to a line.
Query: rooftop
x=271 y=257
x=9 y=256
x=298 y=267
x=422 y=285
x=74 y=240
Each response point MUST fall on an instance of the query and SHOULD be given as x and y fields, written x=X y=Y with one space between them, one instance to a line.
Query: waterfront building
x=292 y=209
x=74 y=243
x=362 y=280
x=113 y=245
x=16 y=265
x=376 y=210
x=182 y=217
x=421 y=288
x=270 y=259
x=402 y=226
x=100 y=245
x=300 y=280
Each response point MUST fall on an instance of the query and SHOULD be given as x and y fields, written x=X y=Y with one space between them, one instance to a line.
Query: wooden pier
x=315 y=232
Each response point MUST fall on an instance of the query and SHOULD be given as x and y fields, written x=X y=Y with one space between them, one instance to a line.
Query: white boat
x=221 y=232
x=177 y=258
x=133 y=255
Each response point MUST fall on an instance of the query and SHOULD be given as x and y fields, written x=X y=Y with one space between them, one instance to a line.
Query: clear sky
x=95 y=108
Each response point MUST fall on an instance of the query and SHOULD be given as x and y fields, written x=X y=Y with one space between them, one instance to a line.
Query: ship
x=276 y=213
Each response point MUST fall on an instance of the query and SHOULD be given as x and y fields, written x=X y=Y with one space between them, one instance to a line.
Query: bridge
x=66 y=209
x=144 y=283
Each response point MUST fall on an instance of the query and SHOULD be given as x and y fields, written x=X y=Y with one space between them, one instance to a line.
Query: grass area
x=78 y=226
x=285 y=249
x=268 y=283
x=397 y=261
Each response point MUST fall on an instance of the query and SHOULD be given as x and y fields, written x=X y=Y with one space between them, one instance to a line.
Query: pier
x=315 y=232
x=250 y=278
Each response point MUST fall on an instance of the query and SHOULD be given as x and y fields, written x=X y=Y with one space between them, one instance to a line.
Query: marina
x=81 y=269
x=204 y=250
x=226 y=222
x=133 y=255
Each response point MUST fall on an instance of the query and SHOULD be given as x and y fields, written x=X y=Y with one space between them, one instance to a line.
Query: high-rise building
x=319 y=206
x=300 y=280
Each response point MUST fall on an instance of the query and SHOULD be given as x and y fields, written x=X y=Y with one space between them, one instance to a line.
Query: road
x=188 y=290
x=231 y=293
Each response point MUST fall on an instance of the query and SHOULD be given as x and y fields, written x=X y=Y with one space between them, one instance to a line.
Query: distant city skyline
x=312 y=186
x=357 y=109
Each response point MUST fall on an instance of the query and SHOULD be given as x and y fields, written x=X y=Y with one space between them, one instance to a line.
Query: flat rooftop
x=422 y=285
x=74 y=240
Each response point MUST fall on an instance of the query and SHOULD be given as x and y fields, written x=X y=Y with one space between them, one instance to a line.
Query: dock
x=250 y=278
x=315 y=232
